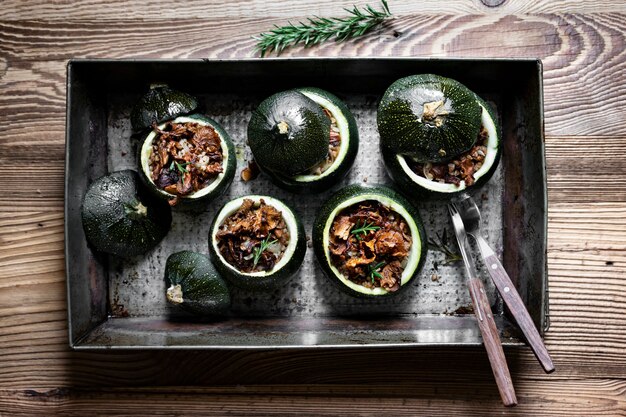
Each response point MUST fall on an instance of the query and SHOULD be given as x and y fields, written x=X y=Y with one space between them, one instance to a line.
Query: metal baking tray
x=114 y=303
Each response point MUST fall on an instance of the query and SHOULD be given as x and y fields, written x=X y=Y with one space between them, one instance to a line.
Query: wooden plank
x=145 y=9
x=584 y=56
x=595 y=397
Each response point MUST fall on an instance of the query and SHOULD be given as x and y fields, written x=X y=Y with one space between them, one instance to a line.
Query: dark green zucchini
x=416 y=187
x=160 y=104
x=121 y=217
x=429 y=117
x=207 y=194
x=283 y=270
x=349 y=196
x=194 y=285
x=311 y=183
x=288 y=133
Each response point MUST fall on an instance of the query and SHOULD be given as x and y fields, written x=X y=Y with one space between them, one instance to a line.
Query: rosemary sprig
x=180 y=167
x=441 y=245
x=258 y=250
x=363 y=229
x=373 y=270
x=320 y=29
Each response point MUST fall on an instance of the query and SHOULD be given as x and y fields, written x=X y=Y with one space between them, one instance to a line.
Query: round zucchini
x=194 y=285
x=429 y=117
x=204 y=195
x=284 y=269
x=121 y=217
x=288 y=133
x=310 y=183
x=349 y=196
x=160 y=104
x=419 y=187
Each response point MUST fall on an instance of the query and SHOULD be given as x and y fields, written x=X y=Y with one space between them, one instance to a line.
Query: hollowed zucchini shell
x=121 y=217
x=208 y=193
x=429 y=117
x=194 y=285
x=348 y=196
x=283 y=270
x=288 y=133
x=307 y=184
x=417 y=187
x=160 y=104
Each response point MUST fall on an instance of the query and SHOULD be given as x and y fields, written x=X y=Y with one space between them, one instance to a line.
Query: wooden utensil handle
x=491 y=339
x=513 y=300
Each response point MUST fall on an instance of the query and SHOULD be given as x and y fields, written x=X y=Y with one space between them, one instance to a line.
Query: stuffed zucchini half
x=437 y=137
x=257 y=242
x=305 y=140
x=189 y=160
x=369 y=241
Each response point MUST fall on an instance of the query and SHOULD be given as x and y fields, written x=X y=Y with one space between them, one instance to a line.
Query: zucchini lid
x=195 y=285
x=347 y=130
x=288 y=133
x=289 y=263
x=160 y=104
x=429 y=117
x=218 y=185
x=349 y=196
x=121 y=217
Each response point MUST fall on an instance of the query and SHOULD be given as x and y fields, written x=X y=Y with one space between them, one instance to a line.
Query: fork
x=470 y=215
x=484 y=316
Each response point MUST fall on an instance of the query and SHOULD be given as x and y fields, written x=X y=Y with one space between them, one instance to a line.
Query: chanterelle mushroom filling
x=253 y=238
x=369 y=245
x=461 y=168
x=334 y=145
x=186 y=157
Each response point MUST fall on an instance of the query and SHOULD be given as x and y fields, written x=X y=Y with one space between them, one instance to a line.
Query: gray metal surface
x=133 y=290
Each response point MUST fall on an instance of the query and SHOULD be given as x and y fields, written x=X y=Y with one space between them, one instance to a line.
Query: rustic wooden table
x=582 y=45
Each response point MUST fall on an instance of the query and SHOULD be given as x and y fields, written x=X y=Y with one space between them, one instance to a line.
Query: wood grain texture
x=584 y=56
x=582 y=45
x=150 y=9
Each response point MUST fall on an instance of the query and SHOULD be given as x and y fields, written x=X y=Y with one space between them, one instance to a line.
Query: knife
x=484 y=316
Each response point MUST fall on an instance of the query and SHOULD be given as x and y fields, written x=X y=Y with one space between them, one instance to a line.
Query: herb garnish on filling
x=461 y=168
x=254 y=238
x=369 y=245
x=334 y=145
x=186 y=157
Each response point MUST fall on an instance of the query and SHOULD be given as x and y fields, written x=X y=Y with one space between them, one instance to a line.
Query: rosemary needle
x=258 y=250
x=320 y=29
x=363 y=229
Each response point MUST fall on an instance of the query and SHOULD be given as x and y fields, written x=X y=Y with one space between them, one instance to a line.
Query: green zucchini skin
x=202 y=289
x=121 y=217
x=406 y=128
x=416 y=192
x=160 y=104
x=288 y=133
x=229 y=164
x=269 y=281
x=291 y=184
x=356 y=191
